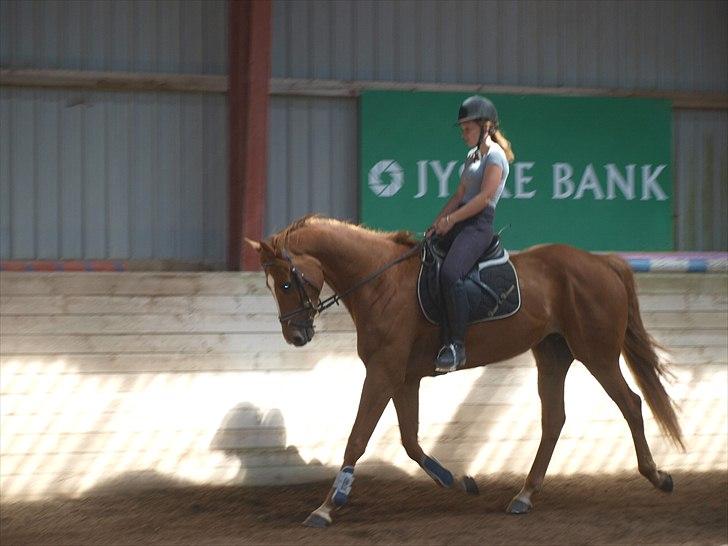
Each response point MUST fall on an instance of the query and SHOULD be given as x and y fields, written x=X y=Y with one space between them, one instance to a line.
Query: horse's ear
x=255 y=244
x=260 y=246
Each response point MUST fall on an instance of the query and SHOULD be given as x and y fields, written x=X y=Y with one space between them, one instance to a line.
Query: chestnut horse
x=575 y=305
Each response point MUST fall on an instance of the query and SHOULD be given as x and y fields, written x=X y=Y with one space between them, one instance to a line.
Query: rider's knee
x=449 y=276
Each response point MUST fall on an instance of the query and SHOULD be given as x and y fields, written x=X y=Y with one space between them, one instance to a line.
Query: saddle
x=491 y=285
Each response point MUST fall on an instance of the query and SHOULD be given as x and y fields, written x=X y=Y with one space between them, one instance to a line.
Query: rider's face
x=470 y=131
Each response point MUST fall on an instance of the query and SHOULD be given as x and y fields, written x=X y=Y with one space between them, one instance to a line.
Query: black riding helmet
x=476 y=108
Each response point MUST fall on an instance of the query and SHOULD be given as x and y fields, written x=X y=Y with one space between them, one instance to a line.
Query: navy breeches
x=466 y=242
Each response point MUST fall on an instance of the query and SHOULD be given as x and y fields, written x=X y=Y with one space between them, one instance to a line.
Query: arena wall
x=121 y=380
x=92 y=173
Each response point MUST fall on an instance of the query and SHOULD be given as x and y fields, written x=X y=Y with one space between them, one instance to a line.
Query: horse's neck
x=347 y=255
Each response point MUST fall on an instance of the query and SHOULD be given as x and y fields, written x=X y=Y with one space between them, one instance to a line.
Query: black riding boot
x=452 y=355
x=444 y=330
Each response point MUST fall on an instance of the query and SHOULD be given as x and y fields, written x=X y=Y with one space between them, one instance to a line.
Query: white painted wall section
x=139 y=379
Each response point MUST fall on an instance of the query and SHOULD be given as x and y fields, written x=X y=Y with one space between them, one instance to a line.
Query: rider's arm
x=491 y=181
x=452 y=203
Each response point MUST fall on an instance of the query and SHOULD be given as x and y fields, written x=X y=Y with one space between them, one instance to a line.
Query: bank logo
x=386 y=178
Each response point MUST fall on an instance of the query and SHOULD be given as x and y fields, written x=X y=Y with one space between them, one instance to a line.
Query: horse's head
x=296 y=283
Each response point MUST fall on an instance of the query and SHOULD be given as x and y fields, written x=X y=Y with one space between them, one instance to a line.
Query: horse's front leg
x=375 y=396
x=407 y=404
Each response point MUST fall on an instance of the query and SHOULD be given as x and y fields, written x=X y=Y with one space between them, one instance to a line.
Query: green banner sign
x=592 y=172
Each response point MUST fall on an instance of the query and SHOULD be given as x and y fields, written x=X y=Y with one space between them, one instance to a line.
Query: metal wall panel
x=312 y=159
x=650 y=45
x=113 y=175
x=176 y=36
x=701 y=193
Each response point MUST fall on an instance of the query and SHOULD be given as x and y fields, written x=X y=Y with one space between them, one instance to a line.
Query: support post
x=249 y=54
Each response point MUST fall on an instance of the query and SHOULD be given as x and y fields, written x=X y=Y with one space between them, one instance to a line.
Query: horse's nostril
x=298 y=339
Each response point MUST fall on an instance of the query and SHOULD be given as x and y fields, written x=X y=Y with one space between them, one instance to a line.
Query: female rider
x=466 y=221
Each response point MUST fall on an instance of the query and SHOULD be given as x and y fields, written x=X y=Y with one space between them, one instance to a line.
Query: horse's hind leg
x=407 y=403
x=609 y=375
x=553 y=359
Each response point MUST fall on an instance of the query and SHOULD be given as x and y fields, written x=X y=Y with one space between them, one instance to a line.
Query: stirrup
x=442 y=365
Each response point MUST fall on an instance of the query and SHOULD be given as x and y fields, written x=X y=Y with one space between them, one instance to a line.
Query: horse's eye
x=286 y=285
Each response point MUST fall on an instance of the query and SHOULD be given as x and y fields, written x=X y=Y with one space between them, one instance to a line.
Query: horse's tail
x=641 y=356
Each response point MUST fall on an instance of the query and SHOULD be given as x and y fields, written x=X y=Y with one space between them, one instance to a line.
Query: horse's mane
x=401 y=237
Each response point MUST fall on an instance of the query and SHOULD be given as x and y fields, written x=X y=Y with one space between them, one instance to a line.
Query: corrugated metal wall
x=312 y=159
x=679 y=45
x=112 y=175
x=105 y=174
x=660 y=45
x=184 y=36
x=701 y=147
x=172 y=153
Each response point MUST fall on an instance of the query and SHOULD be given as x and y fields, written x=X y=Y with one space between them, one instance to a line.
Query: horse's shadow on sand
x=268 y=467
x=258 y=440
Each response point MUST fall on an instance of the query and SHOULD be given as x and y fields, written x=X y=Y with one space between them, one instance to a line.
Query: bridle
x=305 y=303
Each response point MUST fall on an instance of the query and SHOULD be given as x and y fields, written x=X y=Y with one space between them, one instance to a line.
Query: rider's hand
x=443 y=225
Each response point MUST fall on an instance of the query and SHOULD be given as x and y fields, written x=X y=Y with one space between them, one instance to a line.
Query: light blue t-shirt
x=474 y=168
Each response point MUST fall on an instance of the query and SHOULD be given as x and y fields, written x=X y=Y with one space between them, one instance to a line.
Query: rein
x=307 y=305
x=331 y=300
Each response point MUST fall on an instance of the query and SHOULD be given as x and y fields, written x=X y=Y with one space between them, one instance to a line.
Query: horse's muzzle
x=302 y=335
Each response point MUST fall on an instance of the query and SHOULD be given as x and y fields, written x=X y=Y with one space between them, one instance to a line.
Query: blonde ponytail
x=505 y=144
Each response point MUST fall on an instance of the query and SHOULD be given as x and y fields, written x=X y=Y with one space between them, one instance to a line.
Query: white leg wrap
x=342 y=486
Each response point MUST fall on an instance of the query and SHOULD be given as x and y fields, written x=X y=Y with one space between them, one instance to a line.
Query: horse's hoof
x=316 y=521
x=666 y=484
x=469 y=485
x=518 y=507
